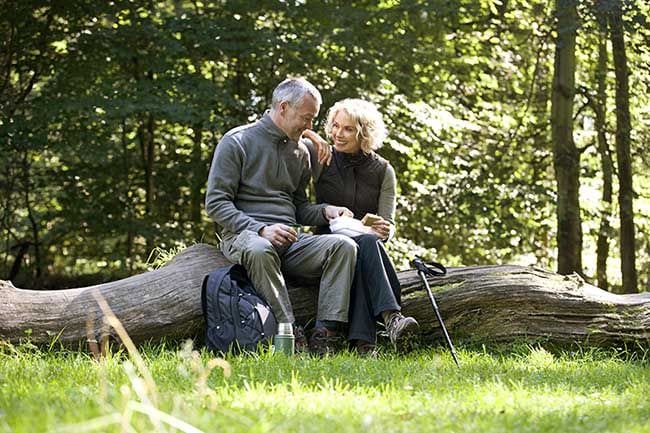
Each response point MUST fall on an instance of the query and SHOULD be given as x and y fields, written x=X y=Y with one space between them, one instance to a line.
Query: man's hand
x=332 y=212
x=280 y=235
x=323 y=148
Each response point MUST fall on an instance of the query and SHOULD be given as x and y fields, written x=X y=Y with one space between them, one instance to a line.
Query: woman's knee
x=367 y=239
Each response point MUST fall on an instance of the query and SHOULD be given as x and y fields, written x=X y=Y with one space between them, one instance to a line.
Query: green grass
x=520 y=390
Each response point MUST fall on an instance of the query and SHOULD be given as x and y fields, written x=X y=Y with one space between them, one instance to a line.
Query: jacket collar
x=353 y=159
x=269 y=126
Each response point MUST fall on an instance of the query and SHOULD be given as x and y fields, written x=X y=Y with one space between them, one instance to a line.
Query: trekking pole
x=423 y=271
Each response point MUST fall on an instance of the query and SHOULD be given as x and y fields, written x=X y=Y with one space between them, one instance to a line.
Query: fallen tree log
x=478 y=304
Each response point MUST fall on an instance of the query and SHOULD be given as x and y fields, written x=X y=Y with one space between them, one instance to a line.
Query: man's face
x=299 y=117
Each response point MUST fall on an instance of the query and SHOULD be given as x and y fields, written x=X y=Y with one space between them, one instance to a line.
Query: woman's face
x=344 y=133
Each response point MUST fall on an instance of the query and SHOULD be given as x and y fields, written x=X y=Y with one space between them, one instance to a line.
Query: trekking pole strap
x=433 y=269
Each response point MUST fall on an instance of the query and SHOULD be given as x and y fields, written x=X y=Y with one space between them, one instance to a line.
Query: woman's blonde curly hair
x=371 y=130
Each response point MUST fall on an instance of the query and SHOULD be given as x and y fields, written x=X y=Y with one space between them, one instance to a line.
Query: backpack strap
x=232 y=289
x=213 y=279
x=204 y=295
x=267 y=320
x=433 y=269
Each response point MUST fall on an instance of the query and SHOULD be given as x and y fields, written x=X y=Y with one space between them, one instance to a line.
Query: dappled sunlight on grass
x=482 y=403
x=528 y=389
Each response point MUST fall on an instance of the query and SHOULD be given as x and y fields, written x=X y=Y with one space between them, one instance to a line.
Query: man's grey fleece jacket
x=258 y=177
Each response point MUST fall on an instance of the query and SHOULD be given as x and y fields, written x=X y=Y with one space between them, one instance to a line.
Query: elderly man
x=257 y=192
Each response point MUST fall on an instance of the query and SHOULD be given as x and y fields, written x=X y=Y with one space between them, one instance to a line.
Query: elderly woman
x=362 y=181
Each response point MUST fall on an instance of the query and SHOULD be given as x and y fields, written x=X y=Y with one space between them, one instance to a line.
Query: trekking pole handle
x=419 y=265
x=435 y=270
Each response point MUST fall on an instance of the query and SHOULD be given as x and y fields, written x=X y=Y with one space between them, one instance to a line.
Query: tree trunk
x=147 y=151
x=129 y=212
x=604 y=229
x=199 y=175
x=478 y=304
x=566 y=156
x=33 y=223
x=623 y=158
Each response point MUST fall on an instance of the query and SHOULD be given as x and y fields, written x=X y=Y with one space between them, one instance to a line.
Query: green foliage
x=110 y=112
x=525 y=388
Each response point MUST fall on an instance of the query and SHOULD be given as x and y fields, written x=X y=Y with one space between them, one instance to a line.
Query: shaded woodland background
x=519 y=130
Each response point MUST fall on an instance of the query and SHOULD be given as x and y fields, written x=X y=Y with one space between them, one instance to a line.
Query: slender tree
x=606 y=164
x=623 y=157
x=198 y=181
x=566 y=156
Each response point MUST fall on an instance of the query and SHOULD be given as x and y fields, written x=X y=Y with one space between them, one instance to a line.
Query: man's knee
x=259 y=250
x=344 y=246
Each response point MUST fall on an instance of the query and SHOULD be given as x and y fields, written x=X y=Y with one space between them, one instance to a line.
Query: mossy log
x=478 y=304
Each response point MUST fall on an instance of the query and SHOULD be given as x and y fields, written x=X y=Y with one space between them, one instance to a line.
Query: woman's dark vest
x=353 y=181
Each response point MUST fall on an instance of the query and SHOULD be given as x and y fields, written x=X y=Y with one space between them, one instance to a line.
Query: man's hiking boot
x=325 y=341
x=399 y=327
x=300 y=339
x=366 y=349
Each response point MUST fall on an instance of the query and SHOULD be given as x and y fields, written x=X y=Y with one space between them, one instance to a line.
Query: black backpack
x=236 y=317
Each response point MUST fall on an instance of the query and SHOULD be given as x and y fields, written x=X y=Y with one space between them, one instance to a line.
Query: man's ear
x=284 y=106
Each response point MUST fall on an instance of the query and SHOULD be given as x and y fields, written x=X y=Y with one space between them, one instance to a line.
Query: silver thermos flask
x=284 y=340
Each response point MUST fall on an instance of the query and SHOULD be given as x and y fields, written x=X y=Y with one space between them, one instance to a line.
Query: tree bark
x=566 y=157
x=606 y=164
x=146 y=131
x=199 y=175
x=478 y=304
x=623 y=155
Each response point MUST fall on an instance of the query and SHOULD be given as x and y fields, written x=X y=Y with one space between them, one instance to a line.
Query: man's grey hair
x=293 y=90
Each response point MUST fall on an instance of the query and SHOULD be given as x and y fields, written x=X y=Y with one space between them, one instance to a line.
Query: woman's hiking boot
x=399 y=328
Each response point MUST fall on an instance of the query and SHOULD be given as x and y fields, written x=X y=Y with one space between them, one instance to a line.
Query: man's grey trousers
x=331 y=258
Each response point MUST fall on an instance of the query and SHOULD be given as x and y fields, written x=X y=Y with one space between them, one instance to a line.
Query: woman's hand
x=381 y=228
x=323 y=148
